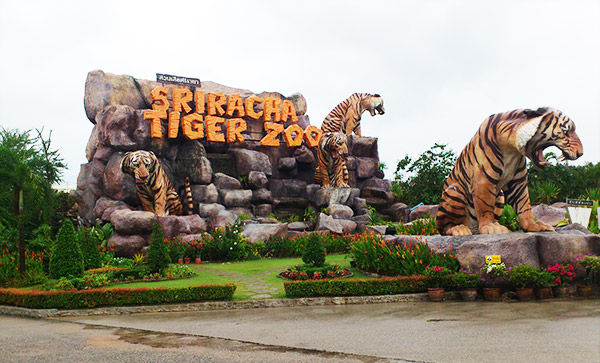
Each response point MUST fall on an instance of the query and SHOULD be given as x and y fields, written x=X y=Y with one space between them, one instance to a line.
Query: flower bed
x=303 y=272
x=113 y=297
x=356 y=287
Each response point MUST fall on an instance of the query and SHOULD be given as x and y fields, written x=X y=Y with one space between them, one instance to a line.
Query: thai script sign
x=167 y=78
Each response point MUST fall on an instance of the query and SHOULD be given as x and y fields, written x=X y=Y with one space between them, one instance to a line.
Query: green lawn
x=246 y=275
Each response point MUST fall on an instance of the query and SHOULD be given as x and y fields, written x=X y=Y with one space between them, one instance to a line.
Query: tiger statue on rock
x=331 y=156
x=492 y=168
x=345 y=117
x=152 y=184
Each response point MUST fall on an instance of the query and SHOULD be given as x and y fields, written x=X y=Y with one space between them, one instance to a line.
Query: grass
x=244 y=275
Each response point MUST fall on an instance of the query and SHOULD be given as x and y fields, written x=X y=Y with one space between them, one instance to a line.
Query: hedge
x=37 y=299
x=357 y=287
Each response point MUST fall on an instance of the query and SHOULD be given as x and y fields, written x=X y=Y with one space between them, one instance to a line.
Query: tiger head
x=336 y=144
x=547 y=127
x=140 y=164
x=373 y=103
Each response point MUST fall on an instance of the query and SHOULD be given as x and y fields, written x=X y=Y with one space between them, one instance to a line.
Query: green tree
x=67 y=258
x=571 y=181
x=158 y=254
x=28 y=168
x=314 y=251
x=422 y=180
x=89 y=247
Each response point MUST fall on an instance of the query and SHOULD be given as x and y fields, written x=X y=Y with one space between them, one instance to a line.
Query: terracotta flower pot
x=469 y=294
x=436 y=294
x=187 y=260
x=491 y=293
x=584 y=290
x=198 y=259
x=543 y=293
x=561 y=291
x=525 y=293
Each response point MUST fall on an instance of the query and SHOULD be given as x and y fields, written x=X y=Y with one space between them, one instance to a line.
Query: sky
x=441 y=67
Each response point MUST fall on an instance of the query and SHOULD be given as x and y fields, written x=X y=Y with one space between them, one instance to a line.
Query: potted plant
x=437 y=276
x=194 y=250
x=543 y=284
x=467 y=282
x=591 y=264
x=523 y=277
x=493 y=271
x=562 y=275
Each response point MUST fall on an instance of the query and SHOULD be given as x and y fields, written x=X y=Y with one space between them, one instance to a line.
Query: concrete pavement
x=548 y=331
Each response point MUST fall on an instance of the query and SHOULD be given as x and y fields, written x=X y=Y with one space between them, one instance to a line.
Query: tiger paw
x=493 y=228
x=460 y=230
x=538 y=227
x=342 y=185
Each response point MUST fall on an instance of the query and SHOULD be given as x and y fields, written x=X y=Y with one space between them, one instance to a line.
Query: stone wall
x=227 y=179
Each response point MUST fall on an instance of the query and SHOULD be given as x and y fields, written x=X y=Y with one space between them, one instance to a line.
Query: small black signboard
x=167 y=78
x=580 y=203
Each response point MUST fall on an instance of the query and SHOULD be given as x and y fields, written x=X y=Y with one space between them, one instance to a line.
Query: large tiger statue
x=152 y=184
x=331 y=169
x=492 y=168
x=345 y=117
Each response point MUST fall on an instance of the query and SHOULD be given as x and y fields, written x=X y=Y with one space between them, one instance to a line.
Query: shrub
x=494 y=271
x=562 y=273
x=90 y=248
x=158 y=256
x=227 y=244
x=36 y=299
x=373 y=254
x=314 y=251
x=544 y=278
x=523 y=276
x=509 y=219
x=591 y=264
x=356 y=287
x=464 y=279
x=306 y=272
x=437 y=276
x=420 y=227
x=66 y=259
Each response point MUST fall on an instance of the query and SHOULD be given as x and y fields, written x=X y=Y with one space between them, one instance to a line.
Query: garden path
x=255 y=286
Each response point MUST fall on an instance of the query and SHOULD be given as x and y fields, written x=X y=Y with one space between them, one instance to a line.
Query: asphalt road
x=549 y=331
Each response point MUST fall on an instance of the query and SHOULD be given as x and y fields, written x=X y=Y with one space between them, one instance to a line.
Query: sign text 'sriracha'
x=212 y=111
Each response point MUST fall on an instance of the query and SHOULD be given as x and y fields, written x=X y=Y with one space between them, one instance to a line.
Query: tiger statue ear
x=537 y=113
x=125 y=157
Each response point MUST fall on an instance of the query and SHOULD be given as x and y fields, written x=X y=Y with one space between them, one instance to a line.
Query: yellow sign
x=492 y=259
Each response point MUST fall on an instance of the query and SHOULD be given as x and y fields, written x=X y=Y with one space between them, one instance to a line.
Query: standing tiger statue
x=345 y=117
x=331 y=156
x=493 y=167
x=152 y=184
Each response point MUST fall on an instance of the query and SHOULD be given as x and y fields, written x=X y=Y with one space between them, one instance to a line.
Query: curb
x=219 y=305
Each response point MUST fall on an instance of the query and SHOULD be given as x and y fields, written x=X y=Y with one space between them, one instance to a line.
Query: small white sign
x=579 y=215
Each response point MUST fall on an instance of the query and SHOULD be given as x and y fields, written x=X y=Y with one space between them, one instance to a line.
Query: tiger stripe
x=345 y=117
x=492 y=170
x=331 y=169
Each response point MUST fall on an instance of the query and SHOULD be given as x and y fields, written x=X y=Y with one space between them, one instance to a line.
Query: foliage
x=226 y=244
x=138 y=259
x=67 y=258
x=422 y=227
x=373 y=254
x=422 y=180
x=464 y=279
x=90 y=247
x=544 y=278
x=28 y=164
x=314 y=251
x=374 y=219
x=9 y=268
x=543 y=192
x=158 y=255
x=310 y=215
x=562 y=273
x=437 y=275
x=572 y=181
x=355 y=287
x=591 y=264
x=179 y=271
x=493 y=271
x=42 y=243
x=594 y=195
x=306 y=272
x=509 y=219
x=522 y=276
x=36 y=299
